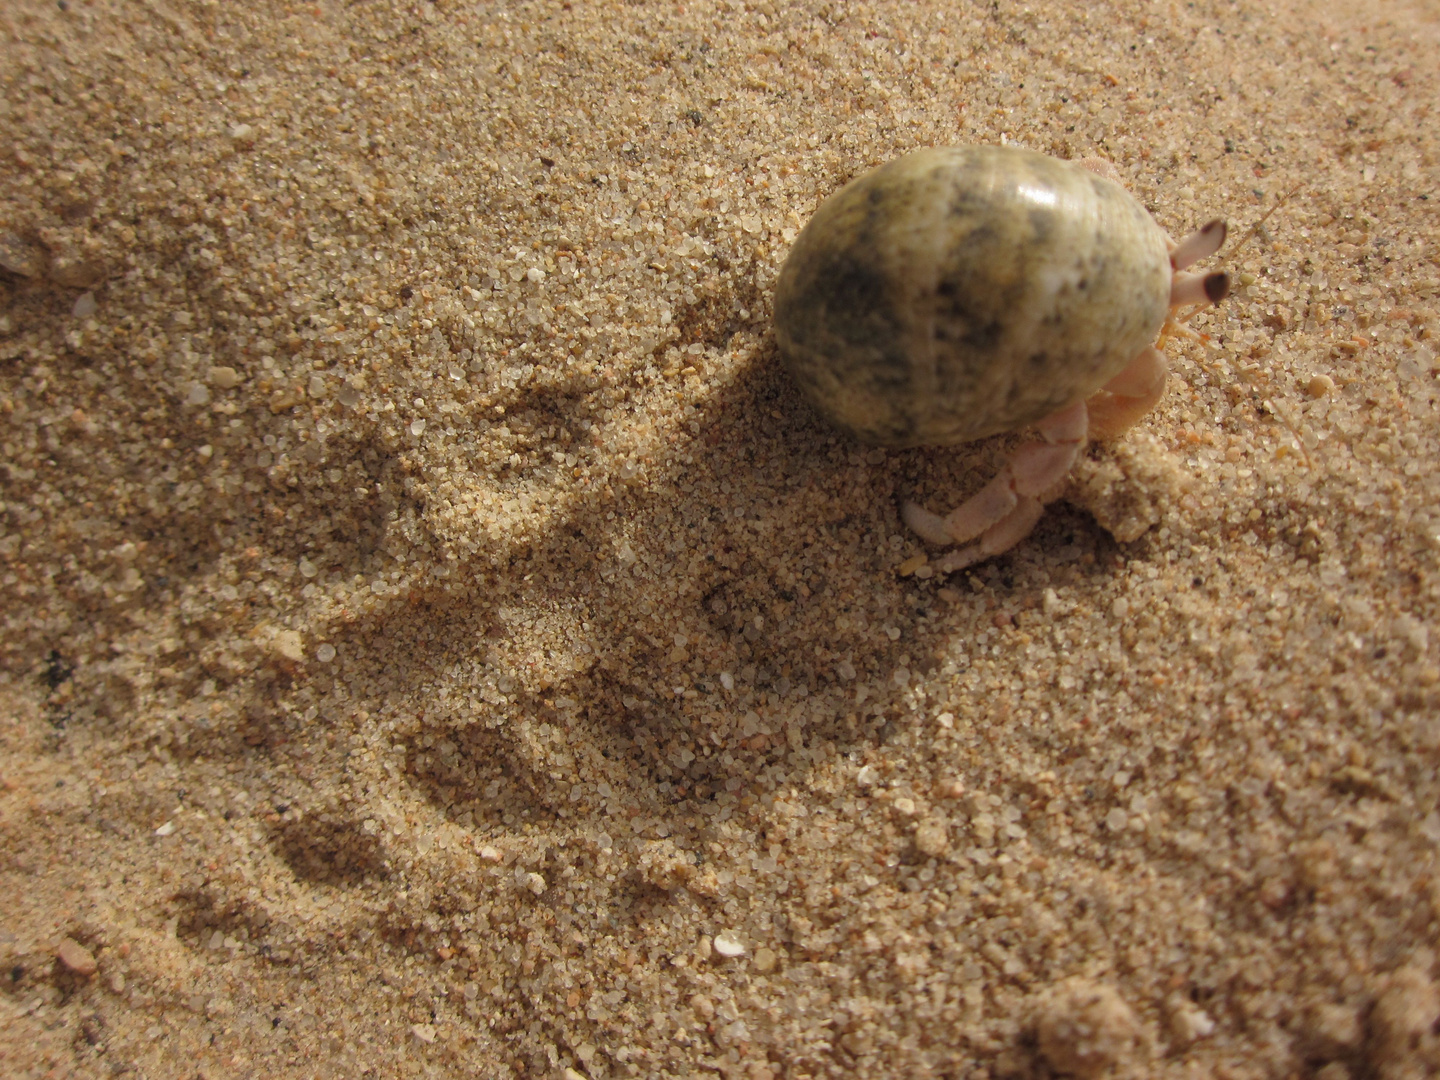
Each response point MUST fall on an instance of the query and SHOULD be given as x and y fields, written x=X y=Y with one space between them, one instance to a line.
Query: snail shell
x=960 y=292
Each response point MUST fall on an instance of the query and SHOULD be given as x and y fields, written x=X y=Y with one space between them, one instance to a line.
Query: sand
x=439 y=641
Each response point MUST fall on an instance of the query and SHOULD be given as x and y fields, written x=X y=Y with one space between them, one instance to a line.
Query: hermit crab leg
x=999 y=538
x=1015 y=496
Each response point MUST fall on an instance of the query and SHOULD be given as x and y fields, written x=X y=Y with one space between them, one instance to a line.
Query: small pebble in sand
x=932 y=838
x=1087 y=1030
x=288 y=646
x=76 y=957
x=226 y=378
x=1188 y=1022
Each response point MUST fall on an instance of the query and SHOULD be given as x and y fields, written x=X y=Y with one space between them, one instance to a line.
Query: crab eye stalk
x=1201 y=244
x=1199 y=288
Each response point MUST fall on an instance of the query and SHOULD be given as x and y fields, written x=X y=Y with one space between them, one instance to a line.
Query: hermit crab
x=961 y=292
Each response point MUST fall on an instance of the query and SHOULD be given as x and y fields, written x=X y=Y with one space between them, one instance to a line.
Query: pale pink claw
x=1064 y=425
x=1010 y=530
x=999 y=538
x=1145 y=376
x=1128 y=396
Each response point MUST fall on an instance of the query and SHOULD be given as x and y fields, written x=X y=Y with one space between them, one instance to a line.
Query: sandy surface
x=437 y=639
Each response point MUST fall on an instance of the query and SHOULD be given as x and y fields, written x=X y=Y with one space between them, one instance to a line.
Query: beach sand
x=438 y=640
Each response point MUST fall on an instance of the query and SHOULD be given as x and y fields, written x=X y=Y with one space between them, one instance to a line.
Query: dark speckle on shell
x=963 y=291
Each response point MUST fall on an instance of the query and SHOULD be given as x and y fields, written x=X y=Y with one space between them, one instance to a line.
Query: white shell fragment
x=729 y=945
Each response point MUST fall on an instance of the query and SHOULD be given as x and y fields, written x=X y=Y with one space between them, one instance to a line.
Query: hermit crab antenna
x=1198 y=245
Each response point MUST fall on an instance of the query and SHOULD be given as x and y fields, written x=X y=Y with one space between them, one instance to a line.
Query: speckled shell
x=960 y=292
